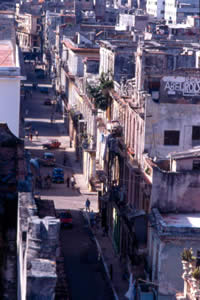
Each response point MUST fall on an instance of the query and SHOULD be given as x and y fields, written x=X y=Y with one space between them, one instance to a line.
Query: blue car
x=58 y=175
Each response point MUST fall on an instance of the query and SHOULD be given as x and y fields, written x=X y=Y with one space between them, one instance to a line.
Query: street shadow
x=82 y=261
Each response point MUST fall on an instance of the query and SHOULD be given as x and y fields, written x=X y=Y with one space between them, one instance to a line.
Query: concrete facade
x=10 y=86
x=37 y=242
x=28 y=32
x=164 y=117
x=178 y=12
x=156 y=8
x=171 y=234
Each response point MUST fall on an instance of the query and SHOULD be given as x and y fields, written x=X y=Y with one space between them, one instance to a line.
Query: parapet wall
x=37 y=243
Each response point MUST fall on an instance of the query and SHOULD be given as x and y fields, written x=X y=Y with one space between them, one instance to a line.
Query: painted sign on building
x=187 y=86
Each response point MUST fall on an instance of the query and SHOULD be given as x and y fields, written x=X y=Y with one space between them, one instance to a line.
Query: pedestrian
x=87 y=205
x=31 y=136
x=68 y=182
x=26 y=112
x=72 y=181
x=36 y=134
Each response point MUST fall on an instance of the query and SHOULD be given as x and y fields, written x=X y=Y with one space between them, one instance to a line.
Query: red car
x=53 y=144
x=66 y=219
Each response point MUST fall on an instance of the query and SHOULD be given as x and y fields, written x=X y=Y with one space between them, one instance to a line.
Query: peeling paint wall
x=166 y=116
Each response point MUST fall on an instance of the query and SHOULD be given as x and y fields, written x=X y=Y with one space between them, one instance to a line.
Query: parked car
x=44 y=90
x=58 y=175
x=47 y=101
x=66 y=219
x=48 y=159
x=53 y=144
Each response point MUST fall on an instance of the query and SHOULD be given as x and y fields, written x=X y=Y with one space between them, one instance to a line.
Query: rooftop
x=76 y=48
x=6 y=55
x=191 y=220
x=176 y=224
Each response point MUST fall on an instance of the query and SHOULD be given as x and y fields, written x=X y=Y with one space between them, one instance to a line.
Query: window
x=196 y=165
x=171 y=137
x=195 y=135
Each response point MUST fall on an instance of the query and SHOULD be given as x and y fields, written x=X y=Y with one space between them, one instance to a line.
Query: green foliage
x=196 y=273
x=105 y=81
x=100 y=92
x=186 y=255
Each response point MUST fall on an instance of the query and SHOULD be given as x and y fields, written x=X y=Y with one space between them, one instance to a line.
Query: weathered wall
x=124 y=65
x=167 y=116
x=181 y=88
x=170 y=267
x=75 y=62
x=37 y=244
x=172 y=192
x=182 y=164
x=107 y=58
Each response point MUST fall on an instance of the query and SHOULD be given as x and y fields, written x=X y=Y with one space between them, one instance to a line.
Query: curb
x=85 y=215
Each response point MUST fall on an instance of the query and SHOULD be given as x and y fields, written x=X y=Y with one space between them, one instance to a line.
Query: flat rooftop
x=191 y=220
x=6 y=55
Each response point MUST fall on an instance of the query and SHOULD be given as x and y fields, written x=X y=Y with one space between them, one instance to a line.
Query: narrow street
x=85 y=273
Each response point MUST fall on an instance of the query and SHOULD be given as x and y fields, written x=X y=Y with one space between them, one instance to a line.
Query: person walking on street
x=72 y=181
x=68 y=182
x=31 y=136
x=87 y=205
x=36 y=134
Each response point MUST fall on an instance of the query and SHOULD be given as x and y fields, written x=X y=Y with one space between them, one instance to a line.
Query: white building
x=10 y=86
x=177 y=11
x=156 y=8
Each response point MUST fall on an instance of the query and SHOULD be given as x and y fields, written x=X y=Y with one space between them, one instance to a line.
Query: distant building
x=156 y=8
x=177 y=11
x=28 y=31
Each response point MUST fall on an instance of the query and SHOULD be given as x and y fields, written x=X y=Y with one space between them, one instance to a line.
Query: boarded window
x=196 y=165
x=171 y=137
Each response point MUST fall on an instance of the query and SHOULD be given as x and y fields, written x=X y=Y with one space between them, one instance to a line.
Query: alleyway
x=84 y=271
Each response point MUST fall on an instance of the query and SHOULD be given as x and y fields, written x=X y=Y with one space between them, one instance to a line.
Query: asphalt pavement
x=84 y=270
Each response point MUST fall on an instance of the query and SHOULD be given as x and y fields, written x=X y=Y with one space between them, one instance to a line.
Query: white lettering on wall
x=187 y=86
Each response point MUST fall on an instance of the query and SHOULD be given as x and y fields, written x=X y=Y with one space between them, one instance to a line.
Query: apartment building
x=156 y=8
x=177 y=11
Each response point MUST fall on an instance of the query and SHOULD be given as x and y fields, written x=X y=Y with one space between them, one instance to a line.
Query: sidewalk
x=109 y=258
x=104 y=244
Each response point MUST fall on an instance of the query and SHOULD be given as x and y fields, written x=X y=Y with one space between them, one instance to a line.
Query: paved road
x=83 y=269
